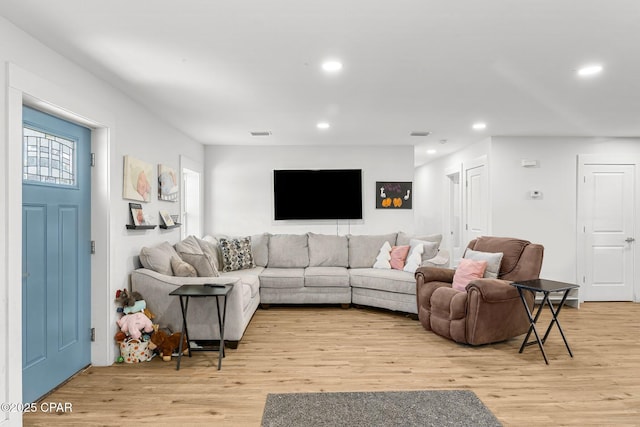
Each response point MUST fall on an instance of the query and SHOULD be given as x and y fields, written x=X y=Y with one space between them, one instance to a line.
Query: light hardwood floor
x=313 y=349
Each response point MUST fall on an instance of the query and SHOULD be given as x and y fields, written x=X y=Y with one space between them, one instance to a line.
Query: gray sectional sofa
x=282 y=269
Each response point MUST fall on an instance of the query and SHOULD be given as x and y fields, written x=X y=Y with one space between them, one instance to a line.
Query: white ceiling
x=219 y=69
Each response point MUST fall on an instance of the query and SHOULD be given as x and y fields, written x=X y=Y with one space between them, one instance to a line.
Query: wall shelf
x=140 y=227
x=169 y=227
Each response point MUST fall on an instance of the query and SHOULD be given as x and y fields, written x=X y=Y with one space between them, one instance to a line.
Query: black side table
x=546 y=287
x=202 y=291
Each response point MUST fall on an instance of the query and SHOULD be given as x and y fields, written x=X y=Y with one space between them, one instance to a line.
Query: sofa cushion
x=494 y=259
x=467 y=271
x=363 y=250
x=211 y=248
x=158 y=258
x=236 y=254
x=510 y=247
x=260 y=249
x=326 y=276
x=190 y=251
x=288 y=251
x=385 y=280
x=181 y=268
x=404 y=238
x=282 y=278
x=429 y=249
x=328 y=250
x=248 y=277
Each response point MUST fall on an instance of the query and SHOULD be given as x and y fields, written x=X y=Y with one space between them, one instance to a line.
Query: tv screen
x=317 y=194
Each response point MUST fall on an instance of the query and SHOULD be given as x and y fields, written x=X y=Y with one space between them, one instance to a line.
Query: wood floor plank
x=314 y=349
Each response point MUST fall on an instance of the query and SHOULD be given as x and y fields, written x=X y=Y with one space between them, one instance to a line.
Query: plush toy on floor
x=133 y=324
x=167 y=344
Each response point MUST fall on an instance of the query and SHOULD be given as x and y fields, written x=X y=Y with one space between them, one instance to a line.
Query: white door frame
x=472 y=164
x=611 y=159
x=448 y=225
x=27 y=88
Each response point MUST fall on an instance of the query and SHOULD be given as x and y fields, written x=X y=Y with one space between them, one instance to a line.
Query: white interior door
x=476 y=202
x=607 y=200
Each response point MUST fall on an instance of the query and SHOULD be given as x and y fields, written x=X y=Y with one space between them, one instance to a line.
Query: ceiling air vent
x=261 y=133
x=420 y=133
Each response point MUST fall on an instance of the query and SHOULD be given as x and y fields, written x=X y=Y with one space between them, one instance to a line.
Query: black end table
x=218 y=290
x=546 y=287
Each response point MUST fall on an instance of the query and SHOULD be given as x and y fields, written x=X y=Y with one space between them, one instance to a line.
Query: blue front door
x=56 y=263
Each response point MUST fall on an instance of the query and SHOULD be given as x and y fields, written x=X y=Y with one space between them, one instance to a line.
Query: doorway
x=56 y=252
x=607 y=229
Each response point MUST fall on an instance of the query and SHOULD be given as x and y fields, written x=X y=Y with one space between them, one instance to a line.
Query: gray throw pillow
x=328 y=250
x=181 y=268
x=158 y=258
x=190 y=251
x=236 y=254
x=494 y=259
x=430 y=249
x=260 y=249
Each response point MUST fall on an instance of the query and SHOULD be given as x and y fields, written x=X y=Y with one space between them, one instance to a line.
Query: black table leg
x=532 y=327
x=221 y=320
x=555 y=320
x=184 y=306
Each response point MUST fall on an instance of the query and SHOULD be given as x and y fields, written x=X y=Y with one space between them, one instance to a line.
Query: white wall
x=549 y=220
x=239 y=187
x=431 y=188
x=31 y=70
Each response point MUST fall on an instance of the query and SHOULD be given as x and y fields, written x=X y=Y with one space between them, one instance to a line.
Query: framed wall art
x=168 y=188
x=393 y=195
x=137 y=179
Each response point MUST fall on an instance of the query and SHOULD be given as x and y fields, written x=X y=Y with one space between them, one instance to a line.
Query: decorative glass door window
x=48 y=158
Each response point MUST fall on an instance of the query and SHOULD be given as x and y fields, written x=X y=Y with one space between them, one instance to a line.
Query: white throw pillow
x=414 y=259
x=494 y=259
x=384 y=256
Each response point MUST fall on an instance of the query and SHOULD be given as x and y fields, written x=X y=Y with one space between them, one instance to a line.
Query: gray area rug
x=393 y=408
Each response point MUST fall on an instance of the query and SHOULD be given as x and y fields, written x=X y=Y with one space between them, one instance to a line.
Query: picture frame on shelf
x=166 y=218
x=138 y=217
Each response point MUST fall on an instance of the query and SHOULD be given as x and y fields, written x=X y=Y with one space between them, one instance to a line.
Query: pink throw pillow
x=398 y=256
x=467 y=271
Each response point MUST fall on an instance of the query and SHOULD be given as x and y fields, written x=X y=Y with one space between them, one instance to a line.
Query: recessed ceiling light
x=332 y=66
x=420 y=133
x=590 y=70
x=431 y=151
x=261 y=133
x=323 y=125
x=479 y=126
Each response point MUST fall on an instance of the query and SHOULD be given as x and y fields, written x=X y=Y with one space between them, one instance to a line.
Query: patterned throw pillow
x=236 y=254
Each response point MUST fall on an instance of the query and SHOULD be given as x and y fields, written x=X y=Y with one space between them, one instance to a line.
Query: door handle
x=629 y=239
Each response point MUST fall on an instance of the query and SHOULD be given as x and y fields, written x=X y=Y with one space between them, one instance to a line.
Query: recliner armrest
x=435 y=274
x=494 y=290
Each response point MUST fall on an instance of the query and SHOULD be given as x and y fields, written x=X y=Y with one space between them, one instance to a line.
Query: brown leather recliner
x=490 y=310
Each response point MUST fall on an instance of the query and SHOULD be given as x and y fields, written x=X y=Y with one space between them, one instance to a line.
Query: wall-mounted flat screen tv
x=317 y=194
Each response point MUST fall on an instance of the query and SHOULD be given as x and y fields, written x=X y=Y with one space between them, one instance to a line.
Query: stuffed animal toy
x=126 y=298
x=120 y=336
x=139 y=305
x=166 y=344
x=132 y=324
